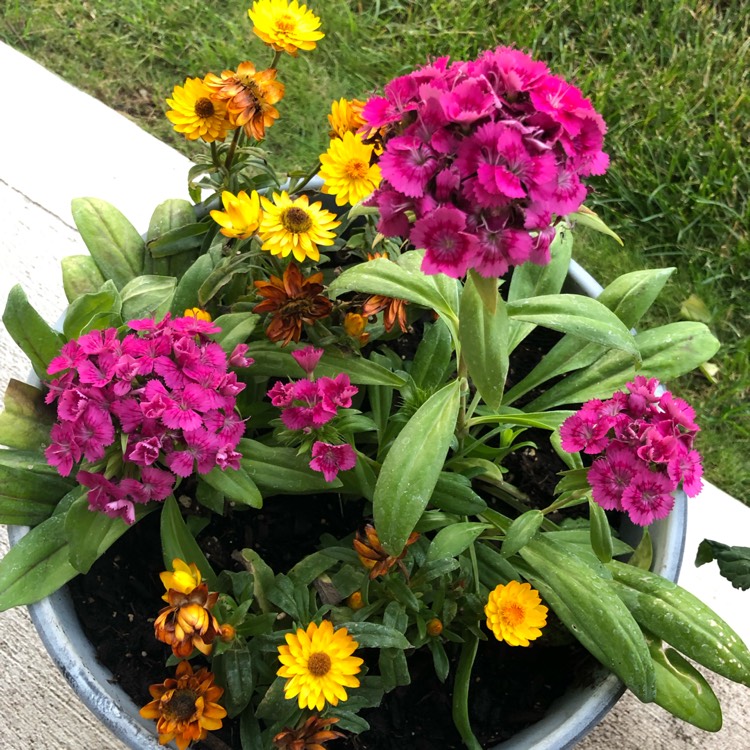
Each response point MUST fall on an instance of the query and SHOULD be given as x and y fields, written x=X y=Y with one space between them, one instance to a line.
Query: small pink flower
x=63 y=452
x=238 y=359
x=408 y=165
x=648 y=497
x=71 y=355
x=584 y=432
x=106 y=496
x=145 y=452
x=331 y=459
x=448 y=246
x=610 y=475
x=281 y=394
x=308 y=358
x=688 y=470
x=336 y=392
x=93 y=432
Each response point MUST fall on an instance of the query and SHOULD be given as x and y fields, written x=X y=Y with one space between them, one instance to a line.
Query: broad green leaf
x=178 y=240
x=394 y=671
x=81 y=313
x=531 y=280
x=577 y=315
x=169 y=215
x=29 y=488
x=432 y=360
x=114 y=243
x=521 y=532
x=667 y=352
x=682 y=690
x=588 y=218
x=682 y=620
x=80 y=276
x=453 y=494
x=27 y=420
x=86 y=529
x=592 y=612
x=484 y=343
x=234 y=671
x=186 y=293
x=148 y=297
x=411 y=469
x=280 y=470
x=235 y=484
x=374 y=635
x=453 y=540
x=274 y=361
x=383 y=276
x=39 y=341
x=178 y=542
x=447 y=288
x=734 y=562
x=235 y=329
x=628 y=296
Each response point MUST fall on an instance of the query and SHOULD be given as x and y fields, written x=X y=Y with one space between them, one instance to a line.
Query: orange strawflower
x=355 y=325
x=184 y=706
x=346 y=117
x=249 y=95
x=292 y=301
x=309 y=736
x=372 y=555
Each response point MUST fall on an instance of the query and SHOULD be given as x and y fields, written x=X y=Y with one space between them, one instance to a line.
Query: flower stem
x=300 y=184
x=461 y=692
x=232 y=148
x=276 y=58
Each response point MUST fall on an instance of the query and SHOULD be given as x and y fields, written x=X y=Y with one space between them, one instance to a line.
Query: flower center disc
x=296 y=220
x=319 y=664
x=285 y=24
x=513 y=614
x=356 y=169
x=181 y=706
x=204 y=108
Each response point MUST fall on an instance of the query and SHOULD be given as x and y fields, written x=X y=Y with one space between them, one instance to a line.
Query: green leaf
x=169 y=215
x=178 y=542
x=454 y=539
x=186 y=293
x=682 y=690
x=601 y=533
x=667 y=352
x=234 y=671
x=393 y=668
x=682 y=620
x=148 y=297
x=432 y=360
x=81 y=313
x=29 y=491
x=589 y=608
x=235 y=484
x=39 y=341
x=273 y=361
x=531 y=280
x=453 y=494
x=27 y=420
x=374 y=635
x=383 y=276
x=80 y=275
x=263 y=577
x=235 y=329
x=439 y=659
x=280 y=470
x=628 y=296
x=178 y=240
x=114 y=243
x=484 y=343
x=588 y=218
x=734 y=562
x=580 y=316
x=86 y=529
x=521 y=532
x=411 y=469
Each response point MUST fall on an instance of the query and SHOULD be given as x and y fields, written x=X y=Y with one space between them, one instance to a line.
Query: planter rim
x=568 y=720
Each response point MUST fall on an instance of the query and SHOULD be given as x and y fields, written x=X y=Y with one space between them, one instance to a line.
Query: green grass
x=672 y=80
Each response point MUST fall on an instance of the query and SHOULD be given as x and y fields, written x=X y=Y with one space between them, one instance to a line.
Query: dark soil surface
x=119 y=598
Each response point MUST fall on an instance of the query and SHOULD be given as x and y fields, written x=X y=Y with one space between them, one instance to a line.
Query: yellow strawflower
x=195 y=114
x=285 y=26
x=241 y=216
x=346 y=170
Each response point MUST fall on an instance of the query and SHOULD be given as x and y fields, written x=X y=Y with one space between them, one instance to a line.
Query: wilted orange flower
x=249 y=95
x=292 y=301
x=187 y=622
x=345 y=117
x=395 y=309
x=184 y=706
x=372 y=555
x=309 y=736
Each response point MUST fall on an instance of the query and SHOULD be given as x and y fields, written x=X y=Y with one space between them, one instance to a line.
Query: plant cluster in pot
x=321 y=416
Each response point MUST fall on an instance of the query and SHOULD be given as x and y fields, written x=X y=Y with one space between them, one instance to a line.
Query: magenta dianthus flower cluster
x=647 y=444
x=166 y=388
x=308 y=403
x=485 y=154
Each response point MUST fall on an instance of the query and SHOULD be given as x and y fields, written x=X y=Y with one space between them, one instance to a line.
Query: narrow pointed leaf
x=412 y=467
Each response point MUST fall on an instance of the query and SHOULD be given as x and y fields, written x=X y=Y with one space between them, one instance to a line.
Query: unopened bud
x=434 y=627
x=355 y=601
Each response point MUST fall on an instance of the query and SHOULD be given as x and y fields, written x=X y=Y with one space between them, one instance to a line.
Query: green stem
x=461 y=692
x=304 y=180
x=462 y=429
x=232 y=148
x=276 y=58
